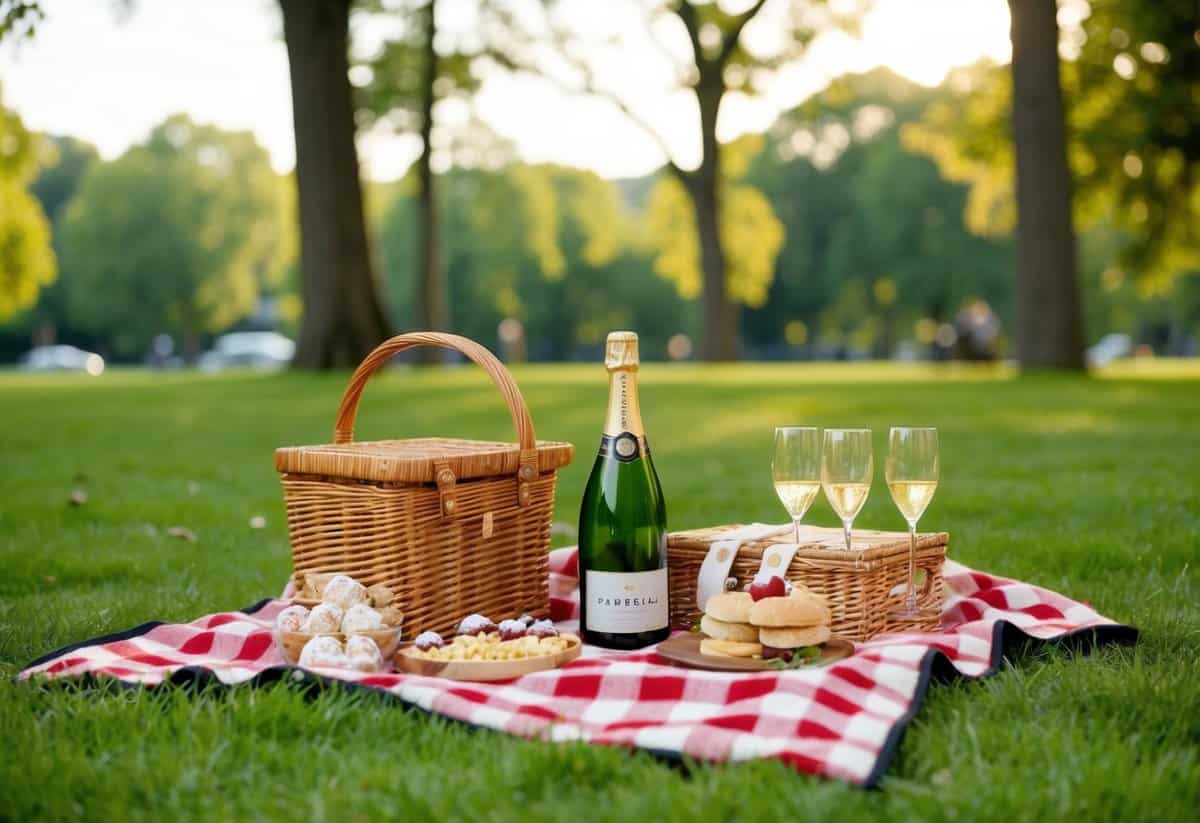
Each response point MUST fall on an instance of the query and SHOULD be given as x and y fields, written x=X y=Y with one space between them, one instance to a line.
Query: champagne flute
x=846 y=467
x=912 y=478
x=796 y=469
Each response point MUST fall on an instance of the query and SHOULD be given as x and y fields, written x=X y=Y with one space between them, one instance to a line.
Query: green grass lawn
x=1087 y=486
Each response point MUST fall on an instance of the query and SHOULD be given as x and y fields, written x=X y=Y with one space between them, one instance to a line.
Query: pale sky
x=109 y=78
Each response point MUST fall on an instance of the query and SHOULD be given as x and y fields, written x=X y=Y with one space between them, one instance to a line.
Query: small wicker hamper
x=862 y=587
x=451 y=526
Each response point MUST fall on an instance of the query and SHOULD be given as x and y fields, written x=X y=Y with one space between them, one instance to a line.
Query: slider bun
x=732 y=607
x=793 y=638
x=797 y=609
x=729 y=648
x=720 y=630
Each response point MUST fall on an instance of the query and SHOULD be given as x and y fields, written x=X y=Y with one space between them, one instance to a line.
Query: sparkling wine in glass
x=912 y=478
x=846 y=468
x=796 y=469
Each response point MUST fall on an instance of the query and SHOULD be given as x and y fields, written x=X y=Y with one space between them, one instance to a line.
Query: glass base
x=912 y=615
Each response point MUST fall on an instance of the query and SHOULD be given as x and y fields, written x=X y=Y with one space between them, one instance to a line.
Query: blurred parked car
x=259 y=350
x=1110 y=347
x=62 y=358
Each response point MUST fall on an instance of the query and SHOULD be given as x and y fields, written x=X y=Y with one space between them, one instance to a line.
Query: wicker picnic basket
x=451 y=526
x=862 y=587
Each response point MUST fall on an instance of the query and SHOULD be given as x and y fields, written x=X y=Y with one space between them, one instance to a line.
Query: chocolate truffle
x=543 y=628
x=511 y=629
x=429 y=640
x=475 y=624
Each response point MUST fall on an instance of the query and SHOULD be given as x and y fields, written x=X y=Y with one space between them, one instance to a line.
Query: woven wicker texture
x=858 y=585
x=451 y=526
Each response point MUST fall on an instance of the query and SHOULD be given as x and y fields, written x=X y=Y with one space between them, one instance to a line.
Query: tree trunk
x=431 y=287
x=343 y=318
x=720 y=340
x=1049 y=318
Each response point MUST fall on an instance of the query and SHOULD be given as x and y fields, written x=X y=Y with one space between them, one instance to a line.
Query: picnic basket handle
x=343 y=427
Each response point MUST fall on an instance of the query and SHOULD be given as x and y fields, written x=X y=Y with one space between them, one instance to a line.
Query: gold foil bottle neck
x=621 y=350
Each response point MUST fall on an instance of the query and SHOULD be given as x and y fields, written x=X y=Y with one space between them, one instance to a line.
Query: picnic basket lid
x=825 y=546
x=419 y=460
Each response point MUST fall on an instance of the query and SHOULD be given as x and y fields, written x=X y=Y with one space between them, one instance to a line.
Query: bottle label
x=625 y=447
x=626 y=602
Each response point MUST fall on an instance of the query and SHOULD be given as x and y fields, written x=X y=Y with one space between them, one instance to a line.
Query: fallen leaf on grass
x=258 y=522
x=193 y=488
x=77 y=497
x=51 y=578
x=182 y=533
x=941 y=777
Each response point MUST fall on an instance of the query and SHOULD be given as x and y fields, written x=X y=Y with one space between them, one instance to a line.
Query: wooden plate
x=684 y=650
x=483 y=670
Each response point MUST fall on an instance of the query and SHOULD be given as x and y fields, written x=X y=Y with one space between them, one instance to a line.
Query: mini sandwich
x=788 y=624
x=726 y=621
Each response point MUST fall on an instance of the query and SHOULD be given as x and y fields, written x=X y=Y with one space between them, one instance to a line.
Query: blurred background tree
x=343 y=316
x=714 y=64
x=65 y=160
x=875 y=219
x=1049 y=316
x=1132 y=81
x=20 y=18
x=407 y=77
x=177 y=235
x=27 y=260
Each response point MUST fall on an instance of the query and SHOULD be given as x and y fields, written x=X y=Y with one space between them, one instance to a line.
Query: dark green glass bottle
x=623 y=589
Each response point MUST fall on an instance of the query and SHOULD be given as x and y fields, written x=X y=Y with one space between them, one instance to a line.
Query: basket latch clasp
x=527 y=472
x=444 y=476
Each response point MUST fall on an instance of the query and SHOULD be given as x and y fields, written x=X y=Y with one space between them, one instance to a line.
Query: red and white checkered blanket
x=844 y=720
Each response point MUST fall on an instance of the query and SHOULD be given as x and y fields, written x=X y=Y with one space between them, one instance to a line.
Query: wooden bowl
x=292 y=643
x=483 y=670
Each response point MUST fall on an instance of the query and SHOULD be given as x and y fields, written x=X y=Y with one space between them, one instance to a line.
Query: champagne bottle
x=623 y=587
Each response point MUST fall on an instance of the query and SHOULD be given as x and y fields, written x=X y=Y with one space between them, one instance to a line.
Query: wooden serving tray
x=684 y=650
x=482 y=670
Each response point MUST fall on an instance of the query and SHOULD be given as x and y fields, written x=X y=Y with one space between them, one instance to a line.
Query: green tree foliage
x=177 y=235
x=751 y=234
x=875 y=238
x=715 y=62
x=408 y=77
x=1131 y=81
x=552 y=247
x=394 y=85
x=27 y=261
x=65 y=161
x=19 y=19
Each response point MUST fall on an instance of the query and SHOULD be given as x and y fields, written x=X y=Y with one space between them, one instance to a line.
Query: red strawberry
x=768 y=586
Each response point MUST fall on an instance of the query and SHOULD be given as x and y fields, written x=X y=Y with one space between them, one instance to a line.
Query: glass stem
x=796 y=525
x=911 y=598
x=846 y=528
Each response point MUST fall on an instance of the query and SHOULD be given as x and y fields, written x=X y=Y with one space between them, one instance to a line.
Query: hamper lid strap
x=343 y=429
